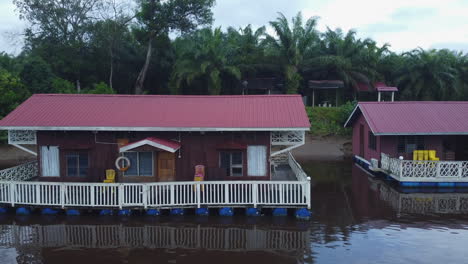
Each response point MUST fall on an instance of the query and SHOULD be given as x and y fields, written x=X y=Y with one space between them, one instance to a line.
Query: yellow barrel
x=110 y=174
x=425 y=154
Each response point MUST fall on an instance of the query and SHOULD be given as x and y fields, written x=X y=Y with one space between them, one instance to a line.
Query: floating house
x=415 y=143
x=158 y=151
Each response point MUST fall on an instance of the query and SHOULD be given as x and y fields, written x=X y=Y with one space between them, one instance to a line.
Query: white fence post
x=93 y=196
x=172 y=190
x=62 y=195
x=307 y=194
x=254 y=194
x=121 y=195
x=38 y=194
x=460 y=169
x=198 y=193
x=12 y=193
x=145 y=196
x=226 y=194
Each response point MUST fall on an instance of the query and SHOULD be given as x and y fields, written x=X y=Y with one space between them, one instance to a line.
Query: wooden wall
x=197 y=149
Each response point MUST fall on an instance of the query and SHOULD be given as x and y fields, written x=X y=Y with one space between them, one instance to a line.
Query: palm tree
x=245 y=47
x=293 y=45
x=203 y=56
x=429 y=75
x=346 y=58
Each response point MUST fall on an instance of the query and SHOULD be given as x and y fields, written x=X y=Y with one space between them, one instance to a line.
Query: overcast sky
x=404 y=24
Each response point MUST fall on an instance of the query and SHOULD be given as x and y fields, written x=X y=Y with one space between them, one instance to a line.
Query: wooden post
x=460 y=169
x=393 y=96
x=172 y=194
x=308 y=200
x=92 y=195
x=379 y=97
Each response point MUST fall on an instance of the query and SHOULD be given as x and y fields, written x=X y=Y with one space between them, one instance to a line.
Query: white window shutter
x=50 y=164
x=256 y=160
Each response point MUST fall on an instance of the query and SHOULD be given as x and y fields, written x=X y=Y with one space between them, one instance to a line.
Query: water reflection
x=356 y=219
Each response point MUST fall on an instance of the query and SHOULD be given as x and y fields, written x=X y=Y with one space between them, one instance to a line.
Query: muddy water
x=356 y=219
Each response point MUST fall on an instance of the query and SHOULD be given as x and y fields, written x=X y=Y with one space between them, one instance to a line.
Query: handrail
x=296 y=168
x=423 y=170
x=21 y=172
x=157 y=195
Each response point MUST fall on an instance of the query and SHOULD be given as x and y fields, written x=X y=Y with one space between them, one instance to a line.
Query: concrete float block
x=49 y=211
x=280 y=212
x=226 y=211
x=23 y=211
x=177 y=211
x=303 y=213
x=72 y=212
x=252 y=211
x=153 y=212
x=124 y=212
x=202 y=211
x=104 y=212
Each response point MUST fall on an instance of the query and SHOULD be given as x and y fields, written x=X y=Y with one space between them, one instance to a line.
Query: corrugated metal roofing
x=158 y=112
x=414 y=118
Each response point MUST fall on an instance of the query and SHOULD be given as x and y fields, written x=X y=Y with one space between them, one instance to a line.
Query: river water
x=356 y=219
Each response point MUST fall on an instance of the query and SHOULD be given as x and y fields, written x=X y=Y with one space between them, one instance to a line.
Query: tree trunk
x=111 y=74
x=78 y=86
x=142 y=75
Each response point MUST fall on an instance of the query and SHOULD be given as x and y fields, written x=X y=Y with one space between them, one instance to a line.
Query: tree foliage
x=129 y=46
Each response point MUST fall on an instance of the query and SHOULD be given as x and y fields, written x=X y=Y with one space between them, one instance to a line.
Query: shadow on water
x=356 y=219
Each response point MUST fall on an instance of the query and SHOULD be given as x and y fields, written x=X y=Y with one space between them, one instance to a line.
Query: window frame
x=231 y=166
x=419 y=141
x=138 y=164
x=77 y=153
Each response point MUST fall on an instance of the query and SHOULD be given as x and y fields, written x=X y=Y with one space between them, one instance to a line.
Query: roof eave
x=181 y=129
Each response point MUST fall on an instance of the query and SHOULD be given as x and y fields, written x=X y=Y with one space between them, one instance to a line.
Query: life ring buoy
x=124 y=168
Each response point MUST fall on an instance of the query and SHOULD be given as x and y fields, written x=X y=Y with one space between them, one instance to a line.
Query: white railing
x=157 y=195
x=424 y=203
x=297 y=169
x=21 y=172
x=158 y=236
x=426 y=170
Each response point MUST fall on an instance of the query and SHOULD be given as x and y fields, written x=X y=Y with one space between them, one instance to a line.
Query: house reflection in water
x=420 y=201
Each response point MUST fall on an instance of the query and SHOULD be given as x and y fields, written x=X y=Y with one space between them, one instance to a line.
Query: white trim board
x=147 y=142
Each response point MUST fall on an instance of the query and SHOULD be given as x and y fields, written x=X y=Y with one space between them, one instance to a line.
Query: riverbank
x=323 y=148
x=11 y=156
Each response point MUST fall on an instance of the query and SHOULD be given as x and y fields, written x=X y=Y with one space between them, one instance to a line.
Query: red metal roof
x=414 y=118
x=168 y=145
x=158 y=112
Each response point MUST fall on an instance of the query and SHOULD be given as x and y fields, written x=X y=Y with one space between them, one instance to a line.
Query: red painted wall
x=389 y=144
x=197 y=149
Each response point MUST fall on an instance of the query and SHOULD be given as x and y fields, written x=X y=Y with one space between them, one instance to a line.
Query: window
x=50 y=161
x=407 y=144
x=232 y=162
x=372 y=141
x=77 y=164
x=256 y=160
x=141 y=163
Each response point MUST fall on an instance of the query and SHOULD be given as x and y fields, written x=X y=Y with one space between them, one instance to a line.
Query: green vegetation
x=123 y=47
x=328 y=121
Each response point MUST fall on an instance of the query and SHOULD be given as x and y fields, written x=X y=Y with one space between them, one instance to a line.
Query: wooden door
x=166 y=166
x=361 y=140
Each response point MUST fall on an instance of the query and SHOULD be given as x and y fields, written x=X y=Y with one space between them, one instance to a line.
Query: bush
x=330 y=120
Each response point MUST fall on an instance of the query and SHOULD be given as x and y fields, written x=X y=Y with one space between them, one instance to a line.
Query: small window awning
x=164 y=144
